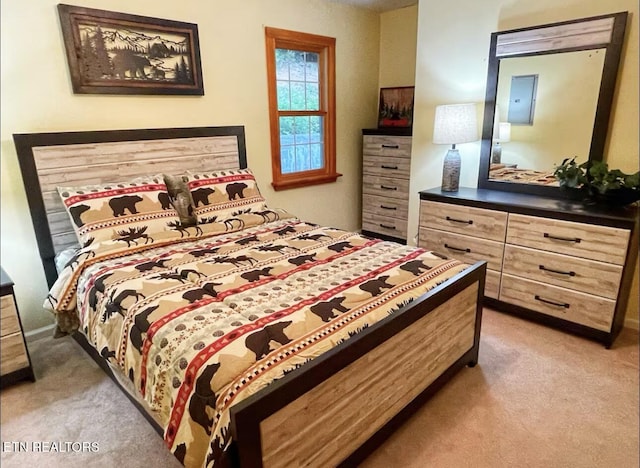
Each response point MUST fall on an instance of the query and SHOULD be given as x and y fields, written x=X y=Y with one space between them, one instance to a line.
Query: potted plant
x=596 y=182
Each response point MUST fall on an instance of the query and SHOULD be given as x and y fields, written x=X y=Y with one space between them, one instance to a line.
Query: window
x=301 y=77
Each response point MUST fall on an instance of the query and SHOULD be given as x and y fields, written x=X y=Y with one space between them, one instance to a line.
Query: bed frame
x=285 y=423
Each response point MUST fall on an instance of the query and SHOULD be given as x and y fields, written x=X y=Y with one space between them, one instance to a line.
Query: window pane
x=317 y=156
x=312 y=67
x=316 y=134
x=302 y=130
x=287 y=159
x=282 y=64
x=302 y=158
x=298 y=97
x=296 y=65
x=284 y=97
x=313 y=96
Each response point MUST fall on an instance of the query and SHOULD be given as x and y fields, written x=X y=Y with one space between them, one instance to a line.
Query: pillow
x=129 y=211
x=63 y=257
x=224 y=194
x=180 y=198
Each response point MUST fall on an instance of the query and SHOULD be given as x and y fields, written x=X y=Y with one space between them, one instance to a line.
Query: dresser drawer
x=385 y=187
x=589 y=241
x=492 y=284
x=385 y=206
x=589 y=276
x=386 y=167
x=381 y=224
x=13 y=353
x=465 y=248
x=585 y=309
x=478 y=222
x=380 y=145
x=8 y=316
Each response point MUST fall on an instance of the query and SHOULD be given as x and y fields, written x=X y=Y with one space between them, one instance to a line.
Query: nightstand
x=15 y=363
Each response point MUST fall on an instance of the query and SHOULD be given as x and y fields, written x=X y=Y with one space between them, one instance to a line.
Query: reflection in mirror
x=566 y=98
x=550 y=88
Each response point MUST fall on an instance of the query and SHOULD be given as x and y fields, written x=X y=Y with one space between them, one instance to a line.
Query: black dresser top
x=5 y=279
x=391 y=131
x=534 y=205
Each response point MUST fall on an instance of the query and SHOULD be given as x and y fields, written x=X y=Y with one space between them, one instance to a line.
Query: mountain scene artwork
x=125 y=54
x=118 y=53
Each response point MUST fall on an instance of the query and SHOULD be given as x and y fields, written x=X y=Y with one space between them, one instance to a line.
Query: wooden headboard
x=50 y=160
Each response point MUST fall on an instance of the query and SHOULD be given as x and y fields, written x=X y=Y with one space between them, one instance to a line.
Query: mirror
x=549 y=95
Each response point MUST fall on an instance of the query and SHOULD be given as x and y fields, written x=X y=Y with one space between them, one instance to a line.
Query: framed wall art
x=396 y=107
x=118 y=53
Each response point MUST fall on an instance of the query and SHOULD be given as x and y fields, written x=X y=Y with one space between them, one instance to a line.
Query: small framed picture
x=396 y=107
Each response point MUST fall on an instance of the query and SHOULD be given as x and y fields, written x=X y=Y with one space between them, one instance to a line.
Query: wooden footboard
x=339 y=407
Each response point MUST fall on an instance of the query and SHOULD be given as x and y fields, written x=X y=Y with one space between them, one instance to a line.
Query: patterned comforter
x=200 y=324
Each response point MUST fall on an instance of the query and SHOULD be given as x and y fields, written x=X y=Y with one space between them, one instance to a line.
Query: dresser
x=559 y=262
x=386 y=164
x=15 y=363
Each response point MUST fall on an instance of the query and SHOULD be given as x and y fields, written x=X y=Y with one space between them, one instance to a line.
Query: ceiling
x=378 y=5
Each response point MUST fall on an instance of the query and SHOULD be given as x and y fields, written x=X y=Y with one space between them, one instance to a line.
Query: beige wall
x=37 y=96
x=398 y=33
x=451 y=67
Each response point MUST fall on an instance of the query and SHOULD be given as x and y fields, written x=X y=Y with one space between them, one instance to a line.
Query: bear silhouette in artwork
x=126 y=202
x=259 y=342
x=201 y=196
x=129 y=65
x=324 y=310
x=76 y=211
x=236 y=190
x=203 y=397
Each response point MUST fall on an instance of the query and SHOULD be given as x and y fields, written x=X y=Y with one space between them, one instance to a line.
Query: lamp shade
x=504 y=132
x=455 y=123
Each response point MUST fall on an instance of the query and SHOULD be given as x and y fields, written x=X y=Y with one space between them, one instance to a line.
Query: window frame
x=325 y=47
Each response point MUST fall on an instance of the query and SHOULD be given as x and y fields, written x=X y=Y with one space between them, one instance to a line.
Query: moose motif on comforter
x=197 y=325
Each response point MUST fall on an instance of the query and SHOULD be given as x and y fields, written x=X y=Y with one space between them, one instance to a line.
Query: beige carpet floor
x=538 y=398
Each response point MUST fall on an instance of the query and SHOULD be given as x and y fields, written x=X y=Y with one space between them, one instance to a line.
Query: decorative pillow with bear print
x=224 y=194
x=129 y=212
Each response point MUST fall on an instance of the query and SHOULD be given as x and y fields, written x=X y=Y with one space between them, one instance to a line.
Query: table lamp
x=454 y=124
x=501 y=134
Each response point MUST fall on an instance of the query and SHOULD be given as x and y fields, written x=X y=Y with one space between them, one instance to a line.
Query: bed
x=246 y=336
x=506 y=173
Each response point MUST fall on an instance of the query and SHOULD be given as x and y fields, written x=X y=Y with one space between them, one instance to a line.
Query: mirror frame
x=547 y=45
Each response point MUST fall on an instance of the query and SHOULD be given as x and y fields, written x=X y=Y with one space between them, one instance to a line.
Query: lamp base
x=496 y=154
x=451 y=171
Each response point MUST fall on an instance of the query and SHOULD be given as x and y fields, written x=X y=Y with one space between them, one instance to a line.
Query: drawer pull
x=388 y=207
x=567 y=239
x=391 y=146
x=557 y=304
x=457 y=248
x=387 y=227
x=384 y=187
x=463 y=221
x=395 y=168
x=568 y=273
